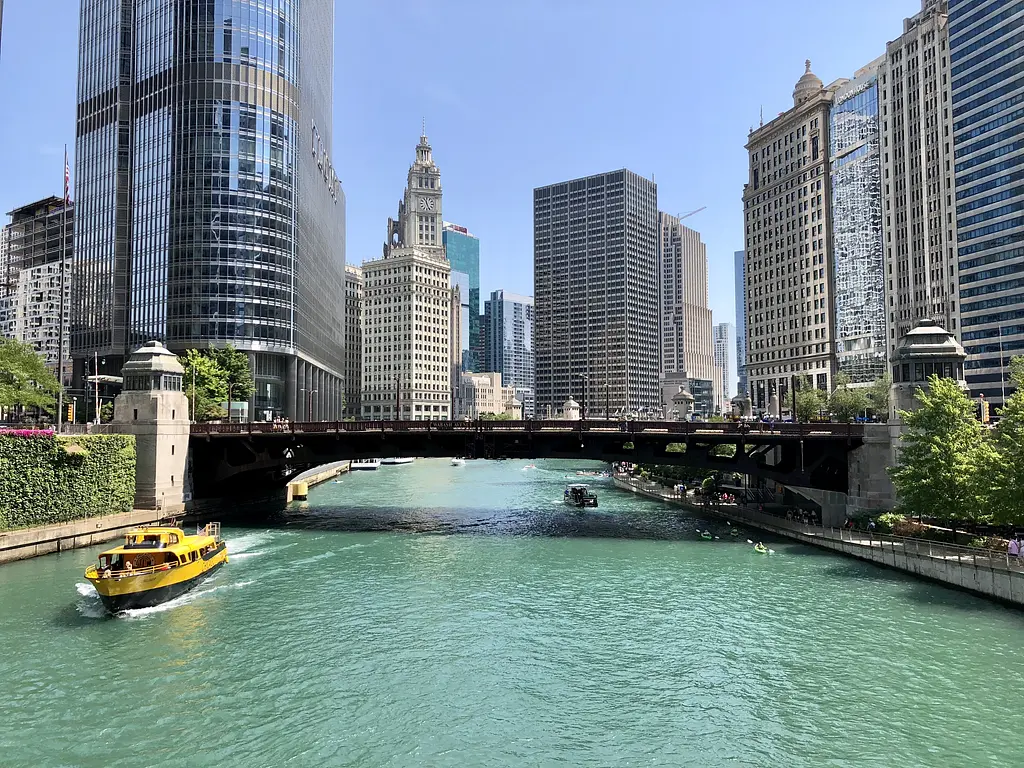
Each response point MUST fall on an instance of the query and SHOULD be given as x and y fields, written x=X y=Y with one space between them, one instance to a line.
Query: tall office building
x=687 y=346
x=986 y=54
x=858 y=256
x=595 y=249
x=788 y=222
x=917 y=177
x=739 y=282
x=208 y=209
x=31 y=256
x=407 y=308
x=463 y=252
x=353 y=340
x=508 y=348
x=725 y=359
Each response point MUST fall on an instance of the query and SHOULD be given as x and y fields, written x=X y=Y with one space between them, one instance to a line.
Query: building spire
x=423 y=129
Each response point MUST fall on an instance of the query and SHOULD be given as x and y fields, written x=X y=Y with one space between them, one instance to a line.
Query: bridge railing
x=683 y=429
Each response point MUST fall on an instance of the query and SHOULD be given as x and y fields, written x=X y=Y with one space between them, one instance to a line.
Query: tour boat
x=457 y=462
x=156 y=564
x=405 y=460
x=364 y=464
x=580 y=495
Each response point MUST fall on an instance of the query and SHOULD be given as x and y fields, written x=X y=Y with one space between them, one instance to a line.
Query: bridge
x=258 y=458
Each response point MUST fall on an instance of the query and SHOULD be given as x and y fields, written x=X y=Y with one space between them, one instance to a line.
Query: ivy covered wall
x=46 y=479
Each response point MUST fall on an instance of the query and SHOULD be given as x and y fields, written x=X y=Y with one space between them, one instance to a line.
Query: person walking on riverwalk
x=1013 y=550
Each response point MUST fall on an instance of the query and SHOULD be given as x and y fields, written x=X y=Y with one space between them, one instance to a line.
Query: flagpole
x=60 y=314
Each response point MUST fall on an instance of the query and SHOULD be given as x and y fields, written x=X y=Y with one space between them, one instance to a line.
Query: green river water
x=428 y=615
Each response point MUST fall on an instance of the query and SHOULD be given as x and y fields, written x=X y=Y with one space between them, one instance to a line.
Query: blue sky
x=515 y=95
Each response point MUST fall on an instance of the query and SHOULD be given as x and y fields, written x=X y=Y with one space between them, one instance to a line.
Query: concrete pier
x=44 y=539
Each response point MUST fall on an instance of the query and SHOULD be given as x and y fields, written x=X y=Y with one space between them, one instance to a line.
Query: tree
x=239 y=381
x=944 y=457
x=494 y=417
x=846 y=403
x=809 y=400
x=107 y=412
x=878 y=396
x=24 y=378
x=206 y=385
x=1008 y=471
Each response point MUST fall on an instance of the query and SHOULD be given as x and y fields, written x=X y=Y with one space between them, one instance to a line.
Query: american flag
x=67 y=178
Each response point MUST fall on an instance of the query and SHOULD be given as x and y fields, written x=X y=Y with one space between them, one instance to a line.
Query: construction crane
x=691 y=213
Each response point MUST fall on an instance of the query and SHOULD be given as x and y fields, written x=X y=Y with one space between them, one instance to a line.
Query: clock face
x=430 y=204
x=427 y=204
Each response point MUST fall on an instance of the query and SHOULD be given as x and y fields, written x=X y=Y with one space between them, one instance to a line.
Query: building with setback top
x=595 y=249
x=407 y=307
x=208 y=211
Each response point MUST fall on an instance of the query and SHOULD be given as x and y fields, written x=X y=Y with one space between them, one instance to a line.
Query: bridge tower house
x=153 y=407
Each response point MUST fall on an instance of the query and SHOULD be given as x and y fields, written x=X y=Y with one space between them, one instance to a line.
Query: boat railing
x=120 y=574
x=210 y=529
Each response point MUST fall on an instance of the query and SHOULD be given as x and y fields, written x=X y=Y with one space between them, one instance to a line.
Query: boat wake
x=313 y=559
x=141 y=613
x=90 y=606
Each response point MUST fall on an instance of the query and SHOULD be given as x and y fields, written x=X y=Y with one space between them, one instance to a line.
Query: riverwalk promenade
x=981 y=571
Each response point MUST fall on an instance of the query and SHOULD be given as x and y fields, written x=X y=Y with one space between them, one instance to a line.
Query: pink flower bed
x=27 y=432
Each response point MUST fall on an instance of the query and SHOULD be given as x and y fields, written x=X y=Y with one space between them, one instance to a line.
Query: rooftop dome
x=682 y=396
x=808 y=86
x=152 y=357
x=928 y=339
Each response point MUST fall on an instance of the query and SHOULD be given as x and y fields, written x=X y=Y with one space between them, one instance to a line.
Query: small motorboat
x=580 y=495
x=395 y=460
x=364 y=464
x=458 y=462
x=156 y=564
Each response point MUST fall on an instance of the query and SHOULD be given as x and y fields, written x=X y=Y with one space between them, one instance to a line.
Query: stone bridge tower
x=153 y=407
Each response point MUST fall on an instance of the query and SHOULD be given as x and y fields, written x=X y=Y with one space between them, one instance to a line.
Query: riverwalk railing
x=978 y=557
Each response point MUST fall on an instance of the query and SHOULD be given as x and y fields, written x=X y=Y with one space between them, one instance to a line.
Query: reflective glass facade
x=986 y=52
x=508 y=335
x=212 y=212
x=740 y=281
x=858 y=255
x=463 y=251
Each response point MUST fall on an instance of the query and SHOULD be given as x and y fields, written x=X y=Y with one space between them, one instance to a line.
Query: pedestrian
x=1013 y=549
x=871 y=524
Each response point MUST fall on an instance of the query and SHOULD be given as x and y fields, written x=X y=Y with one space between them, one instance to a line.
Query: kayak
x=760 y=550
x=734 y=533
x=706 y=535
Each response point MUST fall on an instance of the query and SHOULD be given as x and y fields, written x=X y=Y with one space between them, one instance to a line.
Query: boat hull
x=150 y=597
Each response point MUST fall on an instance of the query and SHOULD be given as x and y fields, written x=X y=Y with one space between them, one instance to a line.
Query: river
x=441 y=616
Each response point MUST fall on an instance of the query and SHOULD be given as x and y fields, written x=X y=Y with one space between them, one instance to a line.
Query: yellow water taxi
x=156 y=564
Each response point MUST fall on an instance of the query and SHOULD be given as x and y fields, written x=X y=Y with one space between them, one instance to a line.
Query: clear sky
x=515 y=96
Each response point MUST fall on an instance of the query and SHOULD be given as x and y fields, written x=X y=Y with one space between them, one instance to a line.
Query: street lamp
x=585 y=378
x=309 y=404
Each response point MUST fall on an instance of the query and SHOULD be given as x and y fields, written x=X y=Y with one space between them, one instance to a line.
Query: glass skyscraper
x=463 y=251
x=986 y=53
x=858 y=257
x=208 y=208
x=508 y=343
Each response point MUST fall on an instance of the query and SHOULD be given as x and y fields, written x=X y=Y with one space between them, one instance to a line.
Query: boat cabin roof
x=584 y=486
x=158 y=539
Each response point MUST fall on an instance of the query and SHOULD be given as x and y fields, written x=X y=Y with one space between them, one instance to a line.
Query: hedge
x=46 y=479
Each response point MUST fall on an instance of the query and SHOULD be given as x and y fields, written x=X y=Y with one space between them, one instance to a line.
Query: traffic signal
x=984 y=411
x=70 y=416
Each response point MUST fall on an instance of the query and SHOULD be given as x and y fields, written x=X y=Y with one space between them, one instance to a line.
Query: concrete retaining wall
x=29 y=542
x=985 y=575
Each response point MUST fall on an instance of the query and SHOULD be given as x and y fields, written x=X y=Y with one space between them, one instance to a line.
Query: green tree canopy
x=239 y=382
x=809 y=400
x=24 y=378
x=206 y=385
x=846 y=403
x=494 y=417
x=878 y=396
x=944 y=457
x=1008 y=471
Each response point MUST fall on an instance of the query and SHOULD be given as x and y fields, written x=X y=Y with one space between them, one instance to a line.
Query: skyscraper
x=208 y=208
x=739 y=281
x=508 y=335
x=725 y=359
x=407 y=308
x=31 y=251
x=687 y=346
x=595 y=247
x=858 y=256
x=353 y=340
x=787 y=205
x=986 y=51
x=917 y=177
x=463 y=251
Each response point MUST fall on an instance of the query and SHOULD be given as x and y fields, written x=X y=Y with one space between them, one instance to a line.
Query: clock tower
x=419 y=213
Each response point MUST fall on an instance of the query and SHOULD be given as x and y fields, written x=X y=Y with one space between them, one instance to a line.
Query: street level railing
x=674 y=428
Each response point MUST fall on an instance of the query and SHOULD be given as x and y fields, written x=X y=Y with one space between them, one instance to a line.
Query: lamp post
x=583 y=409
x=309 y=404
